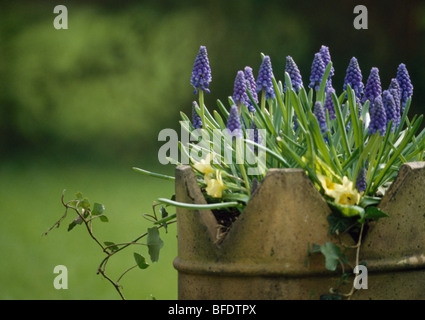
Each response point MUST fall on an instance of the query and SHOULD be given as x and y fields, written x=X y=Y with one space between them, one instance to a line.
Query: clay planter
x=263 y=256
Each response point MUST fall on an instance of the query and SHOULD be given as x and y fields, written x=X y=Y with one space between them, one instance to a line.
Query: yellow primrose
x=204 y=166
x=327 y=184
x=344 y=194
x=215 y=186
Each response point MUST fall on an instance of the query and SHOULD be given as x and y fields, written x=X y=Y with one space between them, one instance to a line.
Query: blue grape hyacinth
x=264 y=79
x=378 y=117
x=320 y=114
x=406 y=86
x=317 y=71
x=329 y=104
x=391 y=110
x=251 y=86
x=373 y=87
x=254 y=136
x=294 y=73
x=361 y=182
x=201 y=74
x=239 y=90
x=326 y=57
x=196 y=119
x=354 y=78
x=234 y=127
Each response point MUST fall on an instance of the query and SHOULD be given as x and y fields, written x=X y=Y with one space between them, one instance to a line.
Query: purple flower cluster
x=373 y=86
x=264 y=79
x=294 y=73
x=201 y=74
x=239 y=90
x=196 y=119
x=406 y=86
x=320 y=114
x=329 y=104
x=378 y=117
x=251 y=86
x=354 y=78
x=361 y=182
x=326 y=57
x=234 y=127
x=391 y=110
x=317 y=71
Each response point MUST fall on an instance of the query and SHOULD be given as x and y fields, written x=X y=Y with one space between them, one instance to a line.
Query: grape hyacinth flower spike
x=240 y=96
x=395 y=90
x=317 y=72
x=201 y=77
x=329 y=104
x=196 y=119
x=406 y=86
x=265 y=82
x=354 y=78
x=234 y=127
x=391 y=110
x=326 y=57
x=378 y=117
x=294 y=73
x=252 y=88
x=373 y=87
x=361 y=182
x=254 y=136
x=320 y=114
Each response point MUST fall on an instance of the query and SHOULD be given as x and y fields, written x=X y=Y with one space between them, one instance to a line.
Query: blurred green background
x=80 y=107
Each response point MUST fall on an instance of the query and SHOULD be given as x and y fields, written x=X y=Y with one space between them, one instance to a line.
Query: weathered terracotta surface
x=264 y=254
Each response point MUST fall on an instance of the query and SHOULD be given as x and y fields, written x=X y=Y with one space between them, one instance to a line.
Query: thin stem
x=202 y=108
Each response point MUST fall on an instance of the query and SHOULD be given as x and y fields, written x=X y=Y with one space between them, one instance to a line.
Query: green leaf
x=348 y=211
x=154 y=243
x=111 y=245
x=154 y=174
x=76 y=221
x=332 y=253
x=98 y=209
x=141 y=261
x=164 y=214
x=375 y=213
x=103 y=218
x=339 y=223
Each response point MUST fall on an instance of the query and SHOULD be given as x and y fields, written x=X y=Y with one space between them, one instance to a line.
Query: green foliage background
x=80 y=107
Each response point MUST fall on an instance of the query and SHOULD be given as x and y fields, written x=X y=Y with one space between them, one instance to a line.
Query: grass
x=30 y=192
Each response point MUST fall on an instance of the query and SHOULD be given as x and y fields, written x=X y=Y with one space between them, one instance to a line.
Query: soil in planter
x=225 y=218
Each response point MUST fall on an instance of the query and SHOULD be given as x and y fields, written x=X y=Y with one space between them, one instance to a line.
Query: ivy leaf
x=103 y=218
x=74 y=222
x=111 y=245
x=141 y=261
x=332 y=253
x=98 y=209
x=154 y=243
x=338 y=223
x=375 y=213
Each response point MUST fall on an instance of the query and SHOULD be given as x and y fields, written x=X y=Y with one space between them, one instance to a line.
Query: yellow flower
x=344 y=194
x=215 y=186
x=327 y=184
x=204 y=166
